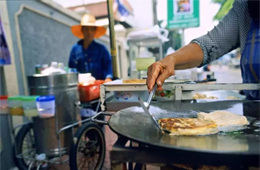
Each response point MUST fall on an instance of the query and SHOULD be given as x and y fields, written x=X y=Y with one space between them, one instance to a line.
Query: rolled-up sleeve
x=221 y=39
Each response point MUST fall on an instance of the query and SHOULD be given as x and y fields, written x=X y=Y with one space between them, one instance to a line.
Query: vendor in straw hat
x=88 y=56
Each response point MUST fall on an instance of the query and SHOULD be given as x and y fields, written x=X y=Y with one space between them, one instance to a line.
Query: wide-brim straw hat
x=88 y=20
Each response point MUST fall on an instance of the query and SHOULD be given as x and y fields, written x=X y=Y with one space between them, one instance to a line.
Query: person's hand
x=108 y=80
x=159 y=71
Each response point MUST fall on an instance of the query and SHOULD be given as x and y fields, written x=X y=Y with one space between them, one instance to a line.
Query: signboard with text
x=182 y=14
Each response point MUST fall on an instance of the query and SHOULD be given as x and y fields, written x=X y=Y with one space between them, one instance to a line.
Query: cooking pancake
x=224 y=118
x=188 y=126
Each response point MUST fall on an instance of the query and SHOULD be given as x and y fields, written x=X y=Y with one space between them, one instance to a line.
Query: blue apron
x=250 y=61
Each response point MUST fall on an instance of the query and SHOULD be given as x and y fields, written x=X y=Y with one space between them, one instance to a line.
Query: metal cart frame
x=143 y=155
x=178 y=88
x=55 y=160
x=147 y=42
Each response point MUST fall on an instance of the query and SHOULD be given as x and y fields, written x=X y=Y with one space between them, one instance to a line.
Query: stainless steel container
x=64 y=88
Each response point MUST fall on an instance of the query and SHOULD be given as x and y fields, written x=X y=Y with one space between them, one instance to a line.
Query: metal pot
x=64 y=88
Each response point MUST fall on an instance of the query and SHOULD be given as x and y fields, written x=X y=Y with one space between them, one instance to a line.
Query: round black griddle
x=136 y=125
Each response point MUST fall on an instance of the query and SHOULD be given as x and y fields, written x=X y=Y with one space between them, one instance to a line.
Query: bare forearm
x=187 y=57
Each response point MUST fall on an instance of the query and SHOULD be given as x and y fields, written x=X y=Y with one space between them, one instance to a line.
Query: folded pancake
x=188 y=126
x=224 y=118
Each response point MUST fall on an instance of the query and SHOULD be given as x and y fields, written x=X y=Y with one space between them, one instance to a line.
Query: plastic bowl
x=15 y=105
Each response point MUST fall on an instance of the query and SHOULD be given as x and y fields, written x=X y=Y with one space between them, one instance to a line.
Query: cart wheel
x=88 y=149
x=25 y=144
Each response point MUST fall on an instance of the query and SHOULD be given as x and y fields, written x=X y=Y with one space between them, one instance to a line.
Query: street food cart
x=82 y=143
x=62 y=138
x=234 y=150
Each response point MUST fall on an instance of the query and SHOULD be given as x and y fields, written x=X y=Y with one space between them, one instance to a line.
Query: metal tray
x=221 y=94
x=134 y=124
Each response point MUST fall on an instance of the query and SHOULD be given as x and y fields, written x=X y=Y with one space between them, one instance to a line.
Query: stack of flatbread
x=203 y=96
x=134 y=81
x=204 y=124
x=232 y=98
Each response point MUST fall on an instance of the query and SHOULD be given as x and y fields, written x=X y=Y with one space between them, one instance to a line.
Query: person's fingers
x=162 y=77
x=152 y=74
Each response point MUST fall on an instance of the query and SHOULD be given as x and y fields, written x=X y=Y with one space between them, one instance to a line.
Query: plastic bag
x=154 y=32
x=170 y=50
x=52 y=70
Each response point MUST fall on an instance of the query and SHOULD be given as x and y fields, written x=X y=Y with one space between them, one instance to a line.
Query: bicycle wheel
x=25 y=147
x=88 y=149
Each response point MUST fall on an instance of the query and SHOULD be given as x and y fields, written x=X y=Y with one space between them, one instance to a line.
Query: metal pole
x=182 y=38
x=112 y=37
x=155 y=21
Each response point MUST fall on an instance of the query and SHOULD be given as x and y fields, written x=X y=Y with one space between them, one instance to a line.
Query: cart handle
x=103 y=122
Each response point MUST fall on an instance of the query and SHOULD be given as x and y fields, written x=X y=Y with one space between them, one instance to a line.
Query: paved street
x=225 y=75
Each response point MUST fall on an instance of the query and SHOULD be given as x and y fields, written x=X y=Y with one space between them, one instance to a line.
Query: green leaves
x=219 y=1
x=226 y=5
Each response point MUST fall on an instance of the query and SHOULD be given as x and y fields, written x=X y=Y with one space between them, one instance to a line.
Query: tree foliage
x=219 y=1
x=226 y=5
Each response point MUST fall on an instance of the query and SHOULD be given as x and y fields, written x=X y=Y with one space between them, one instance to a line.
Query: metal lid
x=51 y=81
x=45 y=98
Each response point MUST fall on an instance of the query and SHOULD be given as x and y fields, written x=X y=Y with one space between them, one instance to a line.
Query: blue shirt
x=95 y=60
x=250 y=61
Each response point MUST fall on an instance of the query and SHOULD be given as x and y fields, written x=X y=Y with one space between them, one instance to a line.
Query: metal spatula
x=147 y=111
x=147 y=104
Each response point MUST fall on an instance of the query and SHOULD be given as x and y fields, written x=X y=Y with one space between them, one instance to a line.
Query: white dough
x=224 y=118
